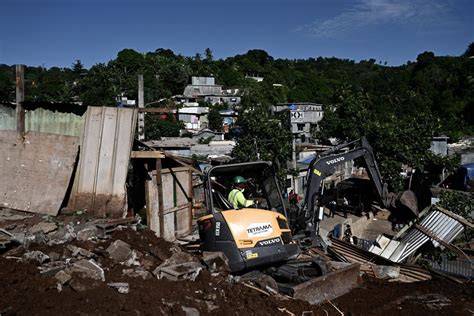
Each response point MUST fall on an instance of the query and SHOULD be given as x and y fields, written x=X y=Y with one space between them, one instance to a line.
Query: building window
x=300 y=127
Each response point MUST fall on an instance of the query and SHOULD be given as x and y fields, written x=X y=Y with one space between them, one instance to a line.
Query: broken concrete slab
x=182 y=271
x=216 y=261
x=190 y=311
x=78 y=251
x=37 y=256
x=119 y=251
x=88 y=268
x=62 y=277
x=45 y=227
x=80 y=285
x=62 y=235
x=137 y=273
x=179 y=257
x=51 y=268
x=121 y=287
x=87 y=233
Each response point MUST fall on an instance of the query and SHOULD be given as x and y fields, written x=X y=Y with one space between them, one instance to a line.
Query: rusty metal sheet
x=329 y=286
x=103 y=166
x=35 y=172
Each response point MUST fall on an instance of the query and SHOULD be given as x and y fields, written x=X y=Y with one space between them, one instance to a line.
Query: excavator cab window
x=260 y=186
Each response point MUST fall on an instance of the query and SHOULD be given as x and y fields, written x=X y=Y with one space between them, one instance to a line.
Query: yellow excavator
x=261 y=237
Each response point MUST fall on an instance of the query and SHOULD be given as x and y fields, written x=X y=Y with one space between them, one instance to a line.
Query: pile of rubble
x=55 y=267
x=51 y=265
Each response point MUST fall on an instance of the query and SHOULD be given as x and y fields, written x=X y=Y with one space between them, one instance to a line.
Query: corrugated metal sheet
x=409 y=273
x=7 y=118
x=104 y=158
x=41 y=120
x=437 y=223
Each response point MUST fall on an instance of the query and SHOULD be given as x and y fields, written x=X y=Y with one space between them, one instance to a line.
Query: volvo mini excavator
x=261 y=237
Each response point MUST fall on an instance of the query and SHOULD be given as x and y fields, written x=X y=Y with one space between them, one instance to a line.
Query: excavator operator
x=236 y=196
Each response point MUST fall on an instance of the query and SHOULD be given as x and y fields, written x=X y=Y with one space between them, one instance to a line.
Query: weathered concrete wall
x=35 y=172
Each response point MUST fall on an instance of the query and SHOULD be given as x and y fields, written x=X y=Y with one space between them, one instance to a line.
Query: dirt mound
x=434 y=297
x=29 y=292
x=34 y=286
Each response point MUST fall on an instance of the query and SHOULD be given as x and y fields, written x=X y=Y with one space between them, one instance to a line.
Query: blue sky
x=57 y=32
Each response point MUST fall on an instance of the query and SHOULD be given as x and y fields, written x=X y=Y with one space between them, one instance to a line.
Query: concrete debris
x=182 y=271
x=179 y=257
x=62 y=235
x=137 y=273
x=216 y=262
x=37 y=256
x=78 y=251
x=119 y=251
x=10 y=215
x=386 y=272
x=50 y=269
x=80 y=285
x=54 y=256
x=62 y=277
x=211 y=306
x=120 y=286
x=88 y=268
x=45 y=227
x=87 y=233
x=132 y=260
x=190 y=311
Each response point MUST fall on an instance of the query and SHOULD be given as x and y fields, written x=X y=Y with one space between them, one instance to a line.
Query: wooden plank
x=147 y=154
x=36 y=173
x=155 y=110
x=159 y=185
x=152 y=207
x=20 y=97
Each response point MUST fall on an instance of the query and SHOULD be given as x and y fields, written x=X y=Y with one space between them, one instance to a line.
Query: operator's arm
x=243 y=201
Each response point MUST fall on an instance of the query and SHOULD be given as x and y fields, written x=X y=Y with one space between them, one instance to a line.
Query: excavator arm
x=325 y=165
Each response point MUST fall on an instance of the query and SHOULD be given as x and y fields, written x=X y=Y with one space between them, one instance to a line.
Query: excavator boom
x=325 y=165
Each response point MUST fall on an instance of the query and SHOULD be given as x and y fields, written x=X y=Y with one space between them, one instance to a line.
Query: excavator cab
x=251 y=236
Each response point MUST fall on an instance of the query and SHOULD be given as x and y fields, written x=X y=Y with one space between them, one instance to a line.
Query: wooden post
x=191 y=196
x=161 y=208
x=20 y=97
x=141 y=115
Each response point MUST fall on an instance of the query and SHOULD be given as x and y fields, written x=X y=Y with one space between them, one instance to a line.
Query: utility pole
x=141 y=115
x=20 y=97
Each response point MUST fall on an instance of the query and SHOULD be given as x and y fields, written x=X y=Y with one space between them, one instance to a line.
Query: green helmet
x=239 y=179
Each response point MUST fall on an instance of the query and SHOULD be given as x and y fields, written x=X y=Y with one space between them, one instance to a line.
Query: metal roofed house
x=194 y=118
x=205 y=89
x=304 y=117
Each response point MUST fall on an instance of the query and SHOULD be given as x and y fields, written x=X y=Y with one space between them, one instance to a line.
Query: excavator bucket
x=328 y=286
x=408 y=199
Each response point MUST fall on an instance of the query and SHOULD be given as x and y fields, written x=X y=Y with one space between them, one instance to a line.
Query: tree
x=78 y=67
x=264 y=136
x=215 y=119
x=469 y=51
x=156 y=127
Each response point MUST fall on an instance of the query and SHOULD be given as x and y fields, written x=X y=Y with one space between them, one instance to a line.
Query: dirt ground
x=25 y=291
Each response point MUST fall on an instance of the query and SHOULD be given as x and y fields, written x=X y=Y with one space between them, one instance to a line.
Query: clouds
x=376 y=13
